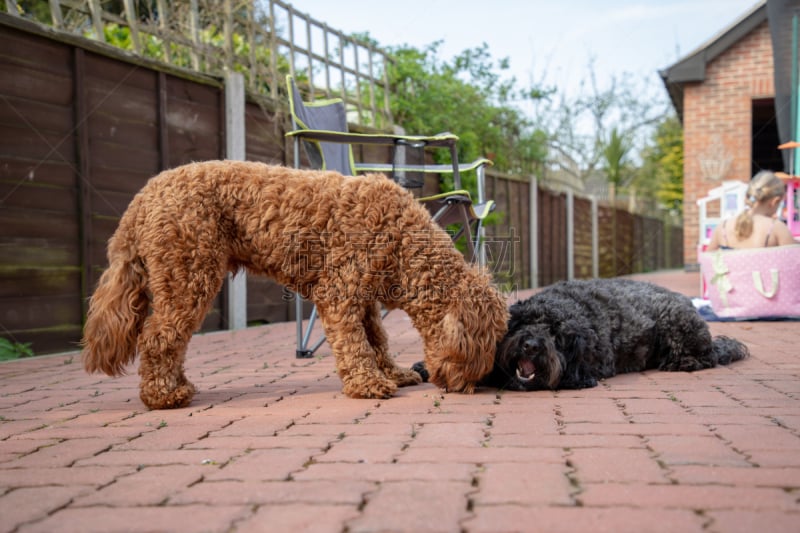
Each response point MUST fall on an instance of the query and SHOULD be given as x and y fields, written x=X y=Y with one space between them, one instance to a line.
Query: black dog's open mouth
x=526 y=370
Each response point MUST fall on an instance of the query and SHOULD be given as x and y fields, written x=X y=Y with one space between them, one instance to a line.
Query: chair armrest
x=433 y=168
x=440 y=140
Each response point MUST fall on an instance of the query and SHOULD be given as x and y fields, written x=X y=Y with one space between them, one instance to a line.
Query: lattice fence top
x=263 y=40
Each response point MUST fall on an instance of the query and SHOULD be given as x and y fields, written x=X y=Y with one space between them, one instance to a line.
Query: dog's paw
x=156 y=398
x=404 y=377
x=378 y=388
x=419 y=368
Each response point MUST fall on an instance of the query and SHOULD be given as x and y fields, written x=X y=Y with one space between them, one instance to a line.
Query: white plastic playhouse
x=722 y=202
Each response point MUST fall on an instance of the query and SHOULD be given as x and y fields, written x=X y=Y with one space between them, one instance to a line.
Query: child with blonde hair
x=756 y=226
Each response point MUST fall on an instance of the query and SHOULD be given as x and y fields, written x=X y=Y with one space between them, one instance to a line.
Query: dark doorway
x=766 y=155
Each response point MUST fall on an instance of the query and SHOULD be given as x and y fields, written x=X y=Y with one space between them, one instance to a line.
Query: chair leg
x=303 y=350
x=467 y=230
x=480 y=245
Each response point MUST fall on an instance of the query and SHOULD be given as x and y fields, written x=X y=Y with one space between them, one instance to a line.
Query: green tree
x=469 y=97
x=35 y=9
x=615 y=160
x=662 y=167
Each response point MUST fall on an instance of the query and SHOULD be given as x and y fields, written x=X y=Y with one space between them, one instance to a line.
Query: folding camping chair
x=321 y=126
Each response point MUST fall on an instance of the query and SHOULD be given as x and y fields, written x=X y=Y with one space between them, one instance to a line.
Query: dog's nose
x=531 y=345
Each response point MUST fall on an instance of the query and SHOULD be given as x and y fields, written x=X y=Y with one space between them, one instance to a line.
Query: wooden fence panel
x=606 y=249
x=623 y=243
x=195 y=121
x=503 y=246
x=267 y=301
x=552 y=237
x=264 y=135
x=583 y=238
x=117 y=149
x=648 y=252
x=41 y=276
x=518 y=245
x=195 y=131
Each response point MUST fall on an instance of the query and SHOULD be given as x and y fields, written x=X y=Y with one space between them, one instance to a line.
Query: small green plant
x=14 y=350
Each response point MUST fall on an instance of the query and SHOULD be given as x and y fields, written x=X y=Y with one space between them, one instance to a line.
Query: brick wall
x=717 y=123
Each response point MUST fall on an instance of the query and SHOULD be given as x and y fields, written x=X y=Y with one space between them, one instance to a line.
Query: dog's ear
x=574 y=340
x=515 y=322
x=459 y=360
x=580 y=343
x=577 y=344
x=445 y=358
x=516 y=309
x=451 y=334
x=519 y=314
x=451 y=330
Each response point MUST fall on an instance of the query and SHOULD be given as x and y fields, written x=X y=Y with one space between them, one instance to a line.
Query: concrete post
x=595 y=239
x=533 y=228
x=235 y=149
x=570 y=234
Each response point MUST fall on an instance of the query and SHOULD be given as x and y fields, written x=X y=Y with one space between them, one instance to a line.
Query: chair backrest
x=321 y=115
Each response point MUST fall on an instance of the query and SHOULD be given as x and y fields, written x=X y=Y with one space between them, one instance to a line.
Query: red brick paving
x=270 y=444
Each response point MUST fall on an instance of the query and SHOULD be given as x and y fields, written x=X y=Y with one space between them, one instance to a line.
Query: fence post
x=97 y=19
x=595 y=239
x=194 y=31
x=133 y=21
x=570 y=234
x=533 y=229
x=235 y=149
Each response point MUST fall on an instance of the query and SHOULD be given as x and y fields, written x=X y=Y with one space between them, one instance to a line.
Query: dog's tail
x=726 y=350
x=116 y=313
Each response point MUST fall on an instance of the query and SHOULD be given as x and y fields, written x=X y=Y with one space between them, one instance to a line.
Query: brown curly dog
x=347 y=244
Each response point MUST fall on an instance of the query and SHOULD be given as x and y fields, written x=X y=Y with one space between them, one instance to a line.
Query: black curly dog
x=573 y=333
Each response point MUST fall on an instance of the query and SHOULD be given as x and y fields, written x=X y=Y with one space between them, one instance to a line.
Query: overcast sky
x=546 y=41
